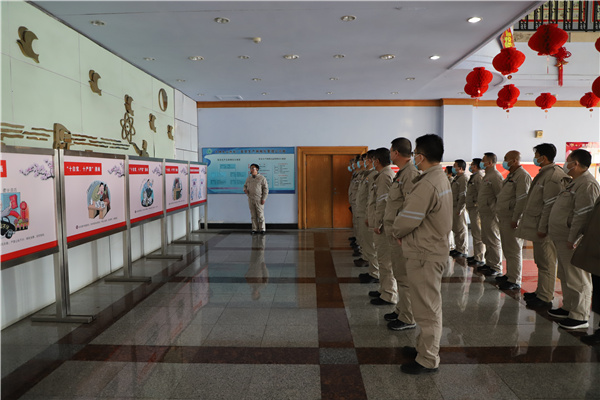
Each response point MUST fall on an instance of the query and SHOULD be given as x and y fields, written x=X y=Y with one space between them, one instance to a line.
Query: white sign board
x=176 y=186
x=145 y=190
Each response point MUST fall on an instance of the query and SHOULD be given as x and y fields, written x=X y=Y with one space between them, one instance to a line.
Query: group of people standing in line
x=404 y=223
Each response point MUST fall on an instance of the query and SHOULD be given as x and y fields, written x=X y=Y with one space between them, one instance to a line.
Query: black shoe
x=398 y=325
x=477 y=264
x=538 y=303
x=453 y=253
x=502 y=278
x=366 y=278
x=378 y=301
x=374 y=293
x=409 y=351
x=491 y=272
x=262 y=232
x=570 y=323
x=558 y=313
x=361 y=263
x=253 y=232
x=391 y=316
x=506 y=285
x=414 y=368
x=356 y=254
x=592 y=340
x=529 y=295
x=470 y=259
x=483 y=267
x=459 y=255
x=352 y=239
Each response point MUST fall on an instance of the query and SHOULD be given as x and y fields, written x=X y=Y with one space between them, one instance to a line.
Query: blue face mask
x=454 y=171
x=415 y=162
x=358 y=164
x=505 y=165
x=471 y=169
x=536 y=162
x=349 y=168
x=481 y=165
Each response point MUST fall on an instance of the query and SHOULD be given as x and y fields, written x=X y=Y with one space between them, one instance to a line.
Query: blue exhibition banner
x=228 y=168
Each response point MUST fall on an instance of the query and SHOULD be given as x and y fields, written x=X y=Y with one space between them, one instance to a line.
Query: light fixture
x=434 y=57
x=200 y=94
x=97 y=22
x=334 y=79
x=329 y=92
x=394 y=93
x=410 y=78
x=264 y=93
x=256 y=79
x=291 y=56
x=474 y=20
x=387 y=57
x=221 y=20
x=348 y=18
x=149 y=58
x=257 y=39
x=196 y=58
x=339 y=56
x=529 y=94
x=243 y=57
x=461 y=92
x=180 y=80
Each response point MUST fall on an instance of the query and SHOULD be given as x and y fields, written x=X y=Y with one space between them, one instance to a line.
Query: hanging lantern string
x=561 y=57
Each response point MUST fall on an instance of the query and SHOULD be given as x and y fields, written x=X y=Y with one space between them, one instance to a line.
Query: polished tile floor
x=283 y=316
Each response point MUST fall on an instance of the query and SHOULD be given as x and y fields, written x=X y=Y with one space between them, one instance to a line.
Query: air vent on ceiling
x=229 y=97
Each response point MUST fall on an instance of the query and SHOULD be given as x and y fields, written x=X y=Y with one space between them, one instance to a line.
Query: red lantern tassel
x=560 y=74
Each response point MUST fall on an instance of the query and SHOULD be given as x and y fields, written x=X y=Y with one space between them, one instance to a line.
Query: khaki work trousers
x=257 y=212
x=387 y=282
x=478 y=246
x=512 y=247
x=544 y=255
x=367 y=247
x=403 y=304
x=490 y=236
x=576 y=284
x=459 y=228
x=355 y=227
x=425 y=280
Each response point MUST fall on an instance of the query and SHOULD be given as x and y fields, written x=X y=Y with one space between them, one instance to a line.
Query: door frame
x=301 y=153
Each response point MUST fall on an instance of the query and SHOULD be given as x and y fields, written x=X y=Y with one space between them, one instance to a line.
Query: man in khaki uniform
x=388 y=291
x=534 y=226
x=422 y=227
x=366 y=236
x=567 y=219
x=510 y=204
x=257 y=189
x=352 y=188
x=472 y=208
x=459 y=218
x=400 y=152
x=360 y=175
x=490 y=187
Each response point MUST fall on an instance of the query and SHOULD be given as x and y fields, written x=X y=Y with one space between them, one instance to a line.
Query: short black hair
x=371 y=153
x=449 y=170
x=431 y=146
x=383 y=156
x=461 y=164
x=255 y=165
x=403 y=146
x=477 y=161
x=546 y=149
x=492 y=157
x=583 y=157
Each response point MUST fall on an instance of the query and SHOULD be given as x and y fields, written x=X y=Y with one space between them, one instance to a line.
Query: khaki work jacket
x=381 y=190
x=511 y=200
x=402 y=184
x=362 y=196
x=372 y=198
x=473 y=190
x=459 y=192
x=587 y=254
x=490 y=187
x=257 y=187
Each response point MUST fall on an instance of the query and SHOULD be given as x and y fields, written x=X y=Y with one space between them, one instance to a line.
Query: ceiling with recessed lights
x=313 y=50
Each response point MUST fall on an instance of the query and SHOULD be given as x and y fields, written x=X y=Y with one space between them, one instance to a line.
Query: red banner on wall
x=83 y=168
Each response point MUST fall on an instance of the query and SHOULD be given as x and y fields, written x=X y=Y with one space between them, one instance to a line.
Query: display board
x=28 y=205
x=198 y=188
x=228 y=168
x=145 y=189
x=176 y=185
x=94 y=195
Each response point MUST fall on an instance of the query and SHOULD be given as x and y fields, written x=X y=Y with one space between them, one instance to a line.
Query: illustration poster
x=94 y=196
x=198 y=188
x=228 y=168
x=28 y=205
x=145 y=190
x=176 y=186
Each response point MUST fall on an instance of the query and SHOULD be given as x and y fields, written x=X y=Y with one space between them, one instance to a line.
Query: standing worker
x=459 y=217
x=473 y=209
x=365 y=235
x=257 y=189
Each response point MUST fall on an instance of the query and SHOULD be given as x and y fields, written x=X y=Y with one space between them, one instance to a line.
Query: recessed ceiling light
x=196 y=58
x=149 y=58
x=348 y=18
x=243 y=57
x=474 y=20
x=200 y=94
x=264 y=93
x=410 y=78
x=221 y=20
x=394 y=93
x=529 y=94
x=339 y=56
x=387 y=57
x=461 y=92
x=434 y=57
x=334 y=79
x=329 y=92
x=256 y=79
x=97 y=22
x=291 y=56
x=180 y=80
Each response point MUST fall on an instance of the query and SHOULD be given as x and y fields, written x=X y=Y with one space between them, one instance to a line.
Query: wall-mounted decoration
x=128 y=101
x=25 y=42
x=127 y=129
x=163 y=100
x=143 y=152
x=62 y=137
x=152 y=121
x=170 y=132
x=94 y=76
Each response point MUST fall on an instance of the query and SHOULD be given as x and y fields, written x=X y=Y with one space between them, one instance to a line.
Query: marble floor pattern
x=283 y=316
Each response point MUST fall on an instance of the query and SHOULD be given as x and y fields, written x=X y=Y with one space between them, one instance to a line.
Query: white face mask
x=566 y=167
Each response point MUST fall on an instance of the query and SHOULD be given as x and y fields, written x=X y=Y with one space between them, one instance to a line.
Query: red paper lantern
x=475 y=92
x=505 y=105
x=589 y=100
x=598 y=44
x=548 y=39
x=596 y=87
x=545 y=101
x=479 y=80
x=508 y=61
x=507 y=97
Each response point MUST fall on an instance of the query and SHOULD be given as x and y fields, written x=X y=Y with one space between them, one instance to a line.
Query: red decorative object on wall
x=548 y=39
x=507 y=96
x=589 y=100
x=478 y=80
x=545 y=101
x=508 y=61
x=560 y=56
x=596 y=87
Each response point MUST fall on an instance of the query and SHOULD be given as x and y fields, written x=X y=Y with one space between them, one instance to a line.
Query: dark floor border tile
x=342 y=382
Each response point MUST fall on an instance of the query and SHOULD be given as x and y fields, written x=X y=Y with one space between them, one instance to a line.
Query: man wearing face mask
x=509 y=208
x=534 y=225
x=352 y=187
x=422 y=228
x=567 y=219
x=459 y=219
x=257 y=189
x=366 y=235
x=358 y=210
x=472 y=208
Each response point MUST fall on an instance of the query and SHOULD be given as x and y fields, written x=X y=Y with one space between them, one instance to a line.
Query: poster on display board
x=176 y=185
x=94 y=195
x=593 y=148
x=28 y=204
x=145 y=189
x=228 y=168
x=198 y=189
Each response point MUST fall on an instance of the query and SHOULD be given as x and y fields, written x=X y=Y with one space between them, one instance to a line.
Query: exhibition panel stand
x=196 y=197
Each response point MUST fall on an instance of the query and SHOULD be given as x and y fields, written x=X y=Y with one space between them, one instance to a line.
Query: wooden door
x=319 y=199
x=342 y=217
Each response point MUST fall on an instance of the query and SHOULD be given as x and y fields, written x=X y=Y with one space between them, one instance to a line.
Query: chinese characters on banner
x=176 y=186
x=145 y=190
x=198 y=187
